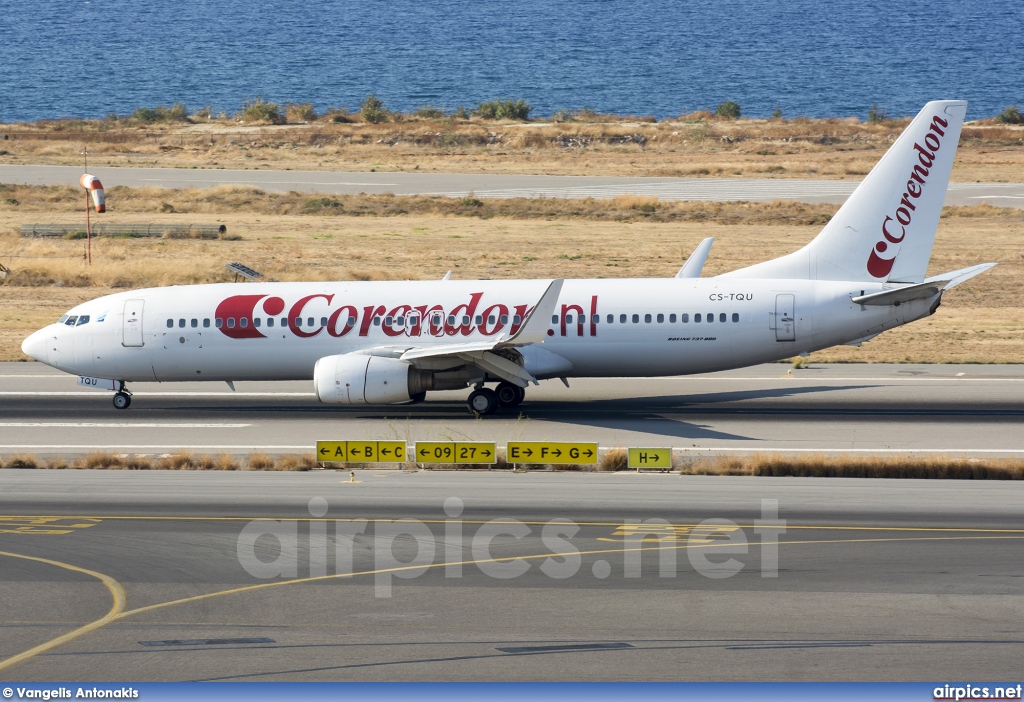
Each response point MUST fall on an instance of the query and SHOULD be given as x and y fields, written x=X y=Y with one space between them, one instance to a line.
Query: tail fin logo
x=880 y=265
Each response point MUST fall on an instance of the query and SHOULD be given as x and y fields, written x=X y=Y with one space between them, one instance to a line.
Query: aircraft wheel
x=122 y=400
x=510 y=395
x=483 y=401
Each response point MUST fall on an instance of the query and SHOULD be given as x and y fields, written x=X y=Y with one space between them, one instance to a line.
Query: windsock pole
x=88 y=227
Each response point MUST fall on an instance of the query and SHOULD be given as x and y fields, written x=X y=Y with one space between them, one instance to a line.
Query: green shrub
x=151 y=115
x=503 y=109
x=259 y=110
x=462 y=113
x=301 y=112
x=429 y=112
x=372 y=110
x=728 y=110
x=1011 y=115
x=877 y=114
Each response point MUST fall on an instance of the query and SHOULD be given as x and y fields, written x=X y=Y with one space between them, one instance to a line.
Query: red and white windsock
x=95 y=188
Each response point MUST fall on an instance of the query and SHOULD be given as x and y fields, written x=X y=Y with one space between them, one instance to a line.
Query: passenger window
x=389 y=321
x=181 y=323
x=376 y=321
x=323 y=321
x=243 y=322
x=516 y=319
x=735 y=316
x=206 y=323
x=400 y=321
x=297 y=322
x=479 y=320
x=554 y=319
x=583 y=319
x=351 y=321
x=711 y=318
x=194 y=323
x=270 y=321
x=218 y=322
x=170 y=324
x=413 y=321
x=672 y=318
x=310 y=322
x=568 y=319
x=256 y=321
x=595 y=319
x=722 y=317
x=231 y=322
x=610 y=319
x=451 y=320
x=622 y=319
x=685 y=318
x=661 y=319
x=647 y=318
x=84 y=319
x=284 y=322
x=696 y=318
x=636 y=319
x=465 y=320
x=504 y=319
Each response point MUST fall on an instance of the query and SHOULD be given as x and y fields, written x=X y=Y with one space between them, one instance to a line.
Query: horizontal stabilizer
x=897 y=296
x=695 y=264
x=931 y=286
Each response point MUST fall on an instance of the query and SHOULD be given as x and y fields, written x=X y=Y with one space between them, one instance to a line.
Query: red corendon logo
x=237 y=318
x=880 y=266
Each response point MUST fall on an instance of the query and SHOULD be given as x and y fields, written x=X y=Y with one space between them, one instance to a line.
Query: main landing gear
x=483 y=401
x=123 y=398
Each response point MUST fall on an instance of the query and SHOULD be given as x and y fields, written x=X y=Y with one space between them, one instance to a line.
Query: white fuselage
x=630 y=327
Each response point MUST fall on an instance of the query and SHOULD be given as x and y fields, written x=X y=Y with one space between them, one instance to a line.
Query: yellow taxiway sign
x=360 y=451
x=650 y=458
x=455 y=452
x=575 y=453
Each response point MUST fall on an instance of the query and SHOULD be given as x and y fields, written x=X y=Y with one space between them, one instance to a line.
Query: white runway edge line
x=692 y=449
x=93 y=393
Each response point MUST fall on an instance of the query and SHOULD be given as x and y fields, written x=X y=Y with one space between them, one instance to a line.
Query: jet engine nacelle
x=357 y=379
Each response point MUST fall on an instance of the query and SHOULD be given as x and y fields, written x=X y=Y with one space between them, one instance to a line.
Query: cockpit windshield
x=71 y=320
x=84 y=319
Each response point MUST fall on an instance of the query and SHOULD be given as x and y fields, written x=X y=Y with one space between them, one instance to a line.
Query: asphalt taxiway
x=977 y=410
x=120 y=576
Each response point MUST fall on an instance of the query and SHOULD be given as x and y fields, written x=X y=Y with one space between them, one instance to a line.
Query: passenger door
x=132 y=329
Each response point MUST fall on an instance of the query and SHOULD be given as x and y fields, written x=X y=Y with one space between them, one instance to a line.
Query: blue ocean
x=90 y=58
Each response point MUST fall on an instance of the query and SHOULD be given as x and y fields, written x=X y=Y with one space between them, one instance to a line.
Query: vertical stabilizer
x=885 y=230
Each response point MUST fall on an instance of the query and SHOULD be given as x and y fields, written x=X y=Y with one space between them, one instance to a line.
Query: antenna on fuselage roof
x=447 y=276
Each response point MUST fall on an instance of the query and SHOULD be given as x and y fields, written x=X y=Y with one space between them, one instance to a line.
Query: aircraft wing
x=486 y=355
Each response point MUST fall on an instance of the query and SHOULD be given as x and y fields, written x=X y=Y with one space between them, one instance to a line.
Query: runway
x=499 y=186
x=119 y=576
x=977 y=410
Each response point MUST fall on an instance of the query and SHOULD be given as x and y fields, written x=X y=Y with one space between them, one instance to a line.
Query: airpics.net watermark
x=501 y=548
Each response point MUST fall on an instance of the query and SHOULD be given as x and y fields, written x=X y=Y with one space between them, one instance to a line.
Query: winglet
x=535 y=326
x=695 y=264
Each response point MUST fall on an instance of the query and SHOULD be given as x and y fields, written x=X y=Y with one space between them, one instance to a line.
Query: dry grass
x=831 y=466
x=817 y=466
x=694 y=145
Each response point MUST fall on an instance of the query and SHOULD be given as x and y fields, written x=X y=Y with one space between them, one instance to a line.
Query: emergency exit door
x=785 y=317
x=132 y=331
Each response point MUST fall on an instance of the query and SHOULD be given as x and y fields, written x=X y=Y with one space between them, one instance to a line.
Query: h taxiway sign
x=650 y=458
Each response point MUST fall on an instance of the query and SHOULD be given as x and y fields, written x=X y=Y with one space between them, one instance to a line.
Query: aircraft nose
x=36 y=346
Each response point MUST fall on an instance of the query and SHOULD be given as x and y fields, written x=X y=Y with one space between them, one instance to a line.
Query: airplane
x=392 y=342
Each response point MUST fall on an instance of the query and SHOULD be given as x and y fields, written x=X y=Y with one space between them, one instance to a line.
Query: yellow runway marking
x=45 y=525
x=117 y=613
x=116 y=591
